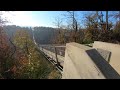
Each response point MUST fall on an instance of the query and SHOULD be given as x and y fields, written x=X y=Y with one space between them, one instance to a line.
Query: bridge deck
x=55 y=54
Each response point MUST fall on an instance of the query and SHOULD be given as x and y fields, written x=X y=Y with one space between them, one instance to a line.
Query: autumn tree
x=116 y=33
x=25 y=48
x=29 y=63
x=92 y=26
x=7 y=50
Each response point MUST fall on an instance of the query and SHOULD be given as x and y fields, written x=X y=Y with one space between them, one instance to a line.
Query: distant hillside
x=11 y=30
x=43 y=35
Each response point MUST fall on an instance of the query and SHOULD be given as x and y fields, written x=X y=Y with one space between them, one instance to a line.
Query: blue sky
x=32 y=18
x=38 y=18
x=45 y=18
x=35 y=18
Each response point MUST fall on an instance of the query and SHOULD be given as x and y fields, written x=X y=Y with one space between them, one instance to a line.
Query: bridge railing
x=55 y=53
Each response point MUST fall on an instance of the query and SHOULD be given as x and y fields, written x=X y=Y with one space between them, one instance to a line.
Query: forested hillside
x=12 y=29
x=43 y=35
x=22 y=60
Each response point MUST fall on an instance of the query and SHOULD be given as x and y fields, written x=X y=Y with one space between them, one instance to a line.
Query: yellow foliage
x=54 y=75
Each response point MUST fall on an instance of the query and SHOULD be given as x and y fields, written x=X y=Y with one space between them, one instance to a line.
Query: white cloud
x=21 y=18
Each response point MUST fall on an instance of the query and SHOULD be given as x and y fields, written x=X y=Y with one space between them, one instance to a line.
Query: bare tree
x=60 y=37
x=58 y=22
x=74 y=25
x=116 y=15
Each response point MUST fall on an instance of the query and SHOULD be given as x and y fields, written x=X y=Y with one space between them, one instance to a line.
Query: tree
x=60 y=39
x=116 y=32
x=74 y=25
x=92 y=27
x=29 y=63
x=7 y=50
x=116 y=15
x=107 y=20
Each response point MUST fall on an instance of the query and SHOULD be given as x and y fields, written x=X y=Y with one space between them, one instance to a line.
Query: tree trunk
x=106 y=20
x=119 y=16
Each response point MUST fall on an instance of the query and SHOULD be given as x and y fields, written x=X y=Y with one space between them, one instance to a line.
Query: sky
x=38 y=18
x=32 y=18
x=35 y=18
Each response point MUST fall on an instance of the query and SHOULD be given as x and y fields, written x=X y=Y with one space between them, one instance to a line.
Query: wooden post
x=56 y=56
x=42 y=48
